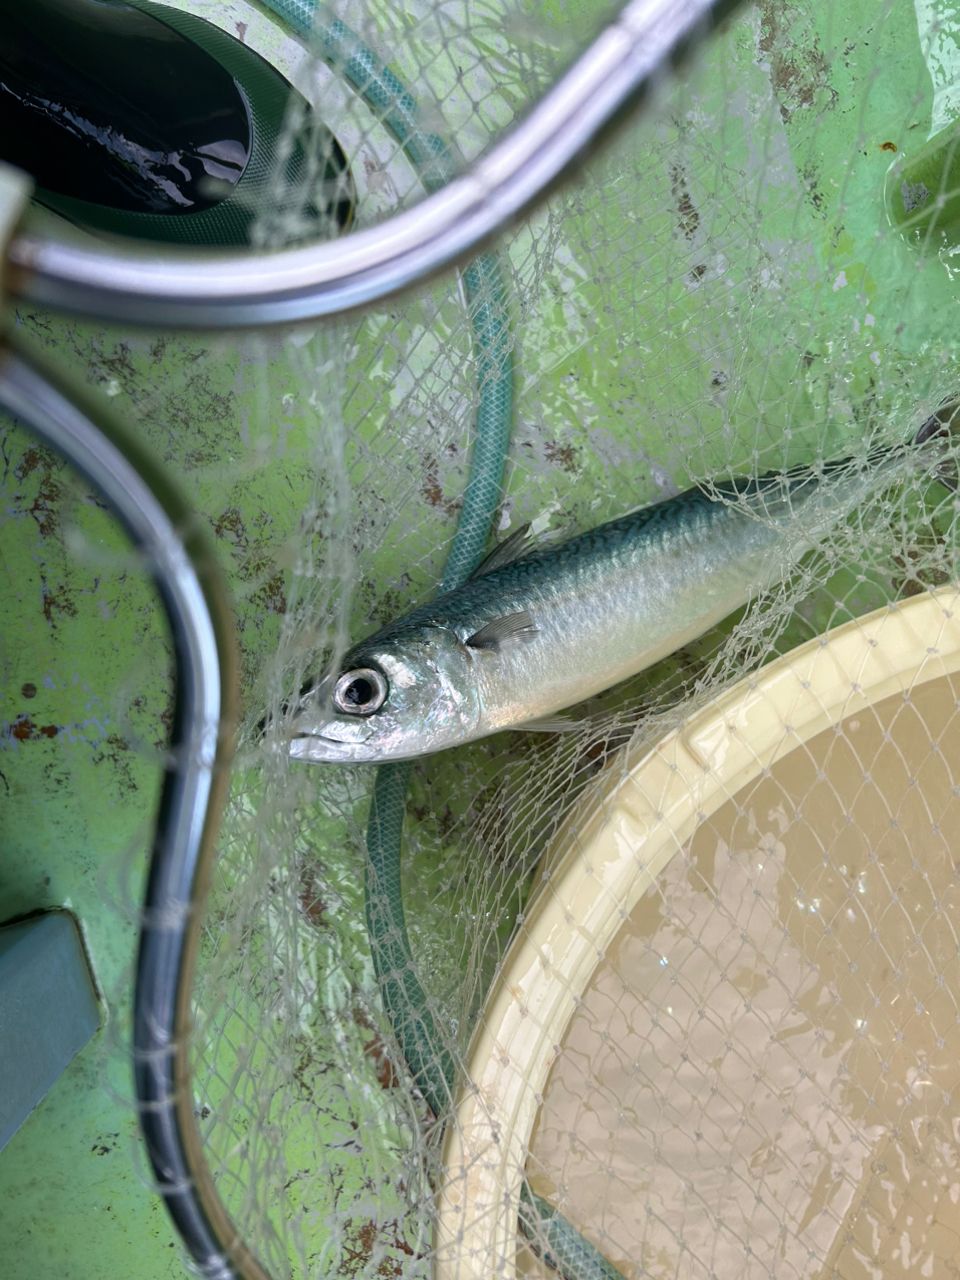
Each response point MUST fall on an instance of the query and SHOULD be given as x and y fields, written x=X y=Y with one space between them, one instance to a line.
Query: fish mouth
x=321 y=748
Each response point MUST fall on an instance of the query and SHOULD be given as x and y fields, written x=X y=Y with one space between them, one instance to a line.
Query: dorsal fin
x=511 y=548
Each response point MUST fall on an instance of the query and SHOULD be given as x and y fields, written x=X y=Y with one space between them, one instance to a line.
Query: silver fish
x=536 y=631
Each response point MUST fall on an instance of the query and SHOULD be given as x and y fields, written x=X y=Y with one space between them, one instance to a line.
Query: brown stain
x=49 y=491
x=888 y=146
x=799 y=69
x=43 y=508
x=697 y=272
x=811 y=179
x=28 y=690
x=105 y=1144
x=115 y=362
x=564 y=455
x=365 y=1239
x=55 y=775
x=388 y=1077
x=310 y=899
x=272 y=596
x=688 y=219
x=195 y=398
x=39 y=325
x=57 y=604
x=384 y=608
x=162 y=740
x=32 y=459
x=431 y=490
x=23 y=729
x=115 y=750
x=229 y=526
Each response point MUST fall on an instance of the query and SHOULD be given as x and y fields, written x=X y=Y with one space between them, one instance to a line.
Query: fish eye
x=360 y=692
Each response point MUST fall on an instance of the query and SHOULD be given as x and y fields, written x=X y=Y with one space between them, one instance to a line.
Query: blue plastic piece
x=48 y=1011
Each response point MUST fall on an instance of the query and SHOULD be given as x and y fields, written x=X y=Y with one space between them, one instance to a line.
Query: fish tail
x=943 y=426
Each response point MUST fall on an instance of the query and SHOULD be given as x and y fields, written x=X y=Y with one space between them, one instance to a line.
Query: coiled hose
x=423 y=1046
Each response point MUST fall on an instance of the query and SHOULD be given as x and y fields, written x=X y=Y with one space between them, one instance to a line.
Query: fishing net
x=756 y=1073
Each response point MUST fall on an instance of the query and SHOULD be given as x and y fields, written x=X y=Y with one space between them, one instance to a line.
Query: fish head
x=391 y=701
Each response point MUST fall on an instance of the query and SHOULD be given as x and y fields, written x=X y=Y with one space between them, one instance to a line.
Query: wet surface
x=763 y=1077
x=107 y=104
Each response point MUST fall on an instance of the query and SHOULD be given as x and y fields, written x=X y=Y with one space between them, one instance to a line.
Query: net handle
x=167 y=533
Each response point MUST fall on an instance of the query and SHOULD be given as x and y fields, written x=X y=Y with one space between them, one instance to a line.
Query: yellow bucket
x=754 y=1078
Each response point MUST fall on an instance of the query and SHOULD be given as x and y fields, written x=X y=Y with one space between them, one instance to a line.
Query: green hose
x=407 y=1005
x=386 y=96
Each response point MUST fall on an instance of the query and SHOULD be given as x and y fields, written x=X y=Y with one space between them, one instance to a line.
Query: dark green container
x=140 y=120
x=923 y=190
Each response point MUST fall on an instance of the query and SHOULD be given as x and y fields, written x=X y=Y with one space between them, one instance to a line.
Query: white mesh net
x=755 y=1074
x=759 y=1078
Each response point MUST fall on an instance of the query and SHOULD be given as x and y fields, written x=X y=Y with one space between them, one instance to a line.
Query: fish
x=538 y=629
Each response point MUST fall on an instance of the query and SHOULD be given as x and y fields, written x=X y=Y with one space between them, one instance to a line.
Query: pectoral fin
x=501 y=631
